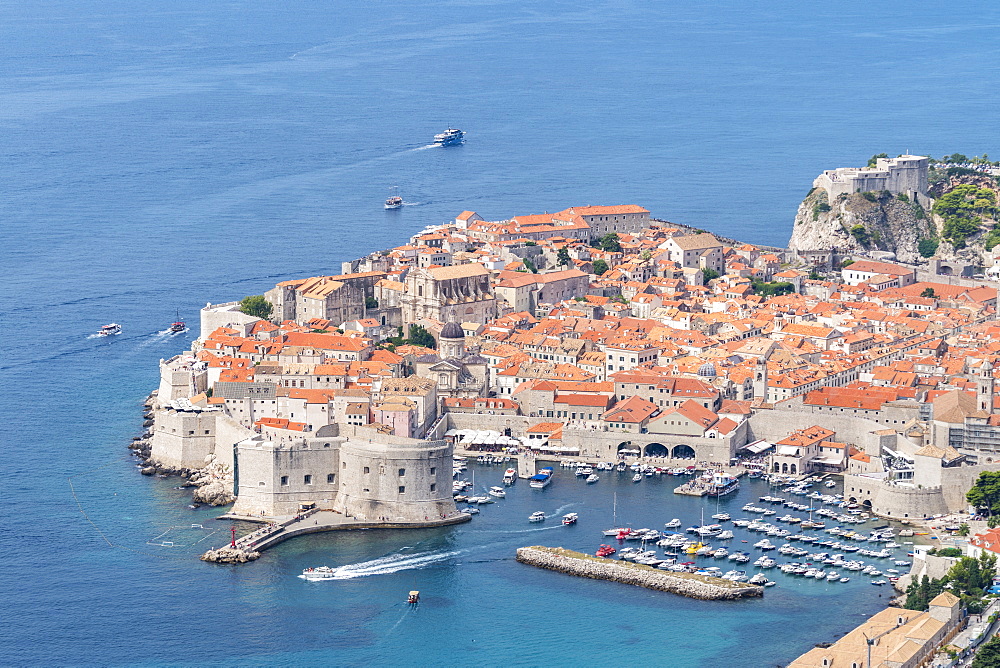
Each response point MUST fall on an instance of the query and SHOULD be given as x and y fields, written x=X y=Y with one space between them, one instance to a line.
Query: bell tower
x=985 y=387
x=760 y=380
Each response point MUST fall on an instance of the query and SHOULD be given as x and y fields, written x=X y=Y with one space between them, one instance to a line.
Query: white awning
x=454 y=432
x=758 y=447
x=788 y=451
x=629 y=452
x=558 y=448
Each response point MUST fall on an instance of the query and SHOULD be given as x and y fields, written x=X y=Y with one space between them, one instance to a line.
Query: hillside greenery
x=256 y=306
x=968 y=578
x=962 y=210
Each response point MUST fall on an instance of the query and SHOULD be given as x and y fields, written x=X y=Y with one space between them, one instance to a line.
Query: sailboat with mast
x=178 y=325
x=393 y=201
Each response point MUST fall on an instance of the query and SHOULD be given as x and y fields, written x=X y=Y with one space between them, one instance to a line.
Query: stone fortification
x=905 y=175
x=685 y=584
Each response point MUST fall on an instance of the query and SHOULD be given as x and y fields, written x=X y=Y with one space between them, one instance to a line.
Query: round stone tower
x=451 y=342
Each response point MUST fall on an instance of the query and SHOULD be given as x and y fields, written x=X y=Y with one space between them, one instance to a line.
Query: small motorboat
x=413 y=598
x=537 y=516
x=110 y=329
x=592 y=478
x=605 y=551
x=673 y=524
x=637 y=477
x=498 y=492
x=570 y=518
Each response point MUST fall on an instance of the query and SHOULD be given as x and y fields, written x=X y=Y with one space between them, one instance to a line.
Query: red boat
x=605 y=551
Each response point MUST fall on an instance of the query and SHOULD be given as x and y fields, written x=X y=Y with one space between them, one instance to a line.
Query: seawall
x=686 y=584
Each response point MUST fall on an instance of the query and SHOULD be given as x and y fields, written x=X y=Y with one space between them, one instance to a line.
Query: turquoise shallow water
x=157 y=156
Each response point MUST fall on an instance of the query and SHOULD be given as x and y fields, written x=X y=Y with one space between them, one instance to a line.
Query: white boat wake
x=424 y=148
x=390 y=564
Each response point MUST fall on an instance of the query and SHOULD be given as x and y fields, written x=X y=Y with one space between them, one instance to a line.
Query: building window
x=367 y=470
x=402 y=489
x=434 y=486
x=433 y=470
x=343 y=465
x=402 y=472
x=330 y=477
x=308 y=480
x=284 y=480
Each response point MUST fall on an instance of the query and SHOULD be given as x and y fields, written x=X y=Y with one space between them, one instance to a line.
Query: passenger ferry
x=449 y=137
x=318 y=573
x=723 y=484
x=541 y=479
x=110 y=329
x=393 y=201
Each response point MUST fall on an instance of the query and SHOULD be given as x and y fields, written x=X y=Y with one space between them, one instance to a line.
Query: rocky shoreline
x=229 y=555
x=685 y=584
x=210 y=482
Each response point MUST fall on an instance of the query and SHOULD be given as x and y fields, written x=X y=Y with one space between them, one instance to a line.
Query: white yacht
x=449 y=137
x=592 y=478
x=110 y=329
x=498 y=492
x=537 y=516
x=673 y=524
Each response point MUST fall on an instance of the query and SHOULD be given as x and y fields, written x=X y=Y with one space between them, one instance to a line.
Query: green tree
x=419 y=336
x=927 y=247
x=928 y=292
x=610 y=243
x=872 y=161
x=985 y=493
x=988 y=655
x=600 y=266
x=771 y=289
x=562 y=257
x=814 y=276
x=963 y=529
x=256 y=306
x=710 y=274
x=529 y=265
x=371 y=302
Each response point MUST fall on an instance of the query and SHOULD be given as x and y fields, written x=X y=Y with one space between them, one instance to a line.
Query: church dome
x=707 y=370
x=452 y=330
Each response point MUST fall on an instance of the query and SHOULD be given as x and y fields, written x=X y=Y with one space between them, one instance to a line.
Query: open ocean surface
x=158 y=155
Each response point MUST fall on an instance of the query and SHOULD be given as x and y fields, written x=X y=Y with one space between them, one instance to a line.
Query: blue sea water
x=160 y=155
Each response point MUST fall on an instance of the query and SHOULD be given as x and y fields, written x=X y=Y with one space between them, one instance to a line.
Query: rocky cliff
x=861 y=222
x=960 y=223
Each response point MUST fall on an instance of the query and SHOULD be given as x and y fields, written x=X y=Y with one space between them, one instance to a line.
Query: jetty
x=702 y=587
x=311 y=521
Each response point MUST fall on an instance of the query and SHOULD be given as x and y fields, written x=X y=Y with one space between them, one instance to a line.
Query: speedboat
x=497 y=492
x=449 y=137
x=570 y=518
x=592 y=478
x=110 y=329
x=637 y=477
x=673 y=524
x=537 y=516
x=604 y=551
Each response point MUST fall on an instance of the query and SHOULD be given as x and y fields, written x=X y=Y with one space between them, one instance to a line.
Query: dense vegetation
x=710 y=274
x=562 y=257
x=256 y=306
x=609 y=243
x=927 y=247
x=985 y=494
x=772 y=289
x=600 y=266
x=988 y=655
x=968 y=578
x=962 y=211
x=419 y=336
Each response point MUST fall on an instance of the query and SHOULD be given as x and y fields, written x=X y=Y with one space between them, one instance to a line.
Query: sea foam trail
x=392 y=564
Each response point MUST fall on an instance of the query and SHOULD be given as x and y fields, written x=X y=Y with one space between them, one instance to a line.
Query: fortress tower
x=985 y=387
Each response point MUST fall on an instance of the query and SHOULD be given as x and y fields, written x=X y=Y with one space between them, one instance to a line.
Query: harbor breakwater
x=686 y=584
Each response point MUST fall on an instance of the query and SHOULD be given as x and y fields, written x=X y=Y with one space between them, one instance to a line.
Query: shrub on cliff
x=256 y=306
x=927 y=247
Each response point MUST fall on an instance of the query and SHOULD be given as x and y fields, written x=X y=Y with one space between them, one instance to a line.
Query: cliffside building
x=905 y=175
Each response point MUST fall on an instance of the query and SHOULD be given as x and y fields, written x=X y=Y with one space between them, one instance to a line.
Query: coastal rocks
x=148 y=470
x=214 y=483
x=215 y=493
x=685 y=584
x=861 y=222
x=229 y=555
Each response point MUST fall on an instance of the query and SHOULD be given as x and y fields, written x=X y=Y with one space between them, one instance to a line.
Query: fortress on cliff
x=905 y=175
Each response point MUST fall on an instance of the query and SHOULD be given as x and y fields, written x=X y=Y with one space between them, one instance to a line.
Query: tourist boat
x=319 y=573
x=497 y=492
x=449 y=137
x=637 y=477
x=673 y=524
x=510 y=476
x=541 y=479
x=413 y=598
x=605 y=551
x=178 y=325
x=537 y=516
x=393 y=201
x=592 y=478
x=110 y=329
x=570 y=518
